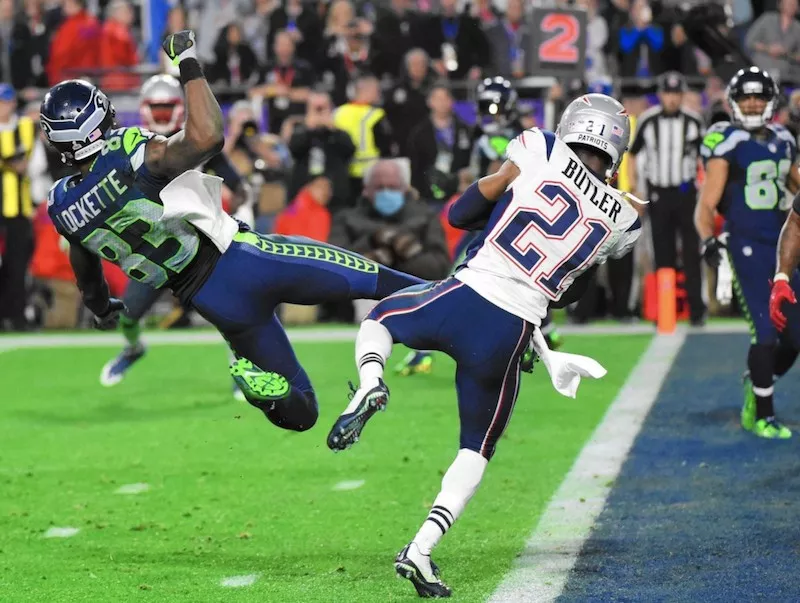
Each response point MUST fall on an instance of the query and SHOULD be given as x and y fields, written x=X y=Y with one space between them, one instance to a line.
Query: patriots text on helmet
x=104 y=193
x=593 y=140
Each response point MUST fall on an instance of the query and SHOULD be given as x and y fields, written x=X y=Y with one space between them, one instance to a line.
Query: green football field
x=174 y=487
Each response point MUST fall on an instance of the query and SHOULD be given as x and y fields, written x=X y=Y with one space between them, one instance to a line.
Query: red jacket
x=75 y=45
x=452 y=235
x=118 y=49
x=51 y=256
x=304 y=216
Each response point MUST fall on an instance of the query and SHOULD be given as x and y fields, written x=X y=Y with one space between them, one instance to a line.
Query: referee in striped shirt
x=665 y=154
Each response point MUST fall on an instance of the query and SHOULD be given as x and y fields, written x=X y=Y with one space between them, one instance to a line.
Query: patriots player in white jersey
x=547 y=219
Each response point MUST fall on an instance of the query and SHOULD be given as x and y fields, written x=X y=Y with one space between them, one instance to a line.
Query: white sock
x=458 y=485
x=373 y=347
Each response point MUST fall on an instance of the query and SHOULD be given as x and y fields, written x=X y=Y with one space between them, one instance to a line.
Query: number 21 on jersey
x=550 y=242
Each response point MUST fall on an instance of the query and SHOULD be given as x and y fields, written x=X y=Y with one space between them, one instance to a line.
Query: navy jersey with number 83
x=115 y=212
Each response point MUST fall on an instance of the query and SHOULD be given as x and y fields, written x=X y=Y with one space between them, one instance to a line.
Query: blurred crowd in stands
x=348 y=121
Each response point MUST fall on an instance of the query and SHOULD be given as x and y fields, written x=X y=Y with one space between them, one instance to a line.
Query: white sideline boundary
x=551 y=551
x=115 y=340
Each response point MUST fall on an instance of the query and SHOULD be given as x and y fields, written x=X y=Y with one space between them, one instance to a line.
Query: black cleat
x=347 y=429
x=428 y=587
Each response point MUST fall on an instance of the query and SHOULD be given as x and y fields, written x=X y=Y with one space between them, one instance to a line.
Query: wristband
x=190 y=70
x=780 y=276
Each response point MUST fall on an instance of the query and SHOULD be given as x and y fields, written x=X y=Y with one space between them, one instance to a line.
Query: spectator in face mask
x=392 y=226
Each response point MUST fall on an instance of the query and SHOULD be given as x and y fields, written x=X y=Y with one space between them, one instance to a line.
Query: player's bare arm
x=793 y=180
x=789 y=242
x=710 y=196
x=203 y=134
x=472 y=210
x=90 y=279
x=788 y=258
x=94 y=289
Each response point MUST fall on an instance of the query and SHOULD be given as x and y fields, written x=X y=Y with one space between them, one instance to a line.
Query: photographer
x=260 y=158
x=319 y=148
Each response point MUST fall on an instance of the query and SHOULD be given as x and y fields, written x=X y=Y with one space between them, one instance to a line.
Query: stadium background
x=555 y=51
x=165 y=489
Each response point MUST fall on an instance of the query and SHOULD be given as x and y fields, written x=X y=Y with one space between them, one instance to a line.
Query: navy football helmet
x=752 y=82
x=497 y=99
x=75 y=115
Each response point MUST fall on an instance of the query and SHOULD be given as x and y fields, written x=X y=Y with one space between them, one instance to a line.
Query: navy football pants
x=486 y=342
x=753 y=264
x=259 y=272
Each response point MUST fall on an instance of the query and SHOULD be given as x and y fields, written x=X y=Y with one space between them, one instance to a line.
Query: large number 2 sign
x=561 y=48
x=549 y=244
x=558 y=42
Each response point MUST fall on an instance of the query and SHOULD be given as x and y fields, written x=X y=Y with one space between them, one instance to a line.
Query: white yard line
x=90 y=339
x=239 y=581
x=551 y=551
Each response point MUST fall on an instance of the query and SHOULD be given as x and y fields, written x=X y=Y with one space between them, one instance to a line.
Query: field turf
x=230 y=495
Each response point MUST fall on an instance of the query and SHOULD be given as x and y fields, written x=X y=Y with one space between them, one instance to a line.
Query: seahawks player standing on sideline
x=138 y=203
x=749 y=165
x=162 y=111
x=547 y=219
x=498 y=123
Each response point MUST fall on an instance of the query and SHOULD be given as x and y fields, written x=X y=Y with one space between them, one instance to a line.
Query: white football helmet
x=161 y=105
x=600 y=122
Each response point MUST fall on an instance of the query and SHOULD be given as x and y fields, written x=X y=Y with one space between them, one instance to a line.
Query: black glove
x=108 y=320
x=180 y=46
x=710 y=249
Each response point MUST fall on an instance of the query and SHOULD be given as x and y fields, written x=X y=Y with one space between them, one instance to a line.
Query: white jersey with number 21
x=554 y=221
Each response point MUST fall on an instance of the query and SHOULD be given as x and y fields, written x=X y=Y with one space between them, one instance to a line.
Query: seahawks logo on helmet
x=75 y=115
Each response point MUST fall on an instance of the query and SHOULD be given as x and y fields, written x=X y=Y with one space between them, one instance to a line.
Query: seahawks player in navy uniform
x=137 y=202
x=750 y=163
x=162 y=111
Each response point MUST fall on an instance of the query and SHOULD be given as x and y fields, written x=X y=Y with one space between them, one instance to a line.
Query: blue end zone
x=702 y=511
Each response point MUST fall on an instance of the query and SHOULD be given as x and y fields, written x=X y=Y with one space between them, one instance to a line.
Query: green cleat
x=258 y=385
x=771 y=429
x=554 y=339
x=748 y=415
x=415 y=363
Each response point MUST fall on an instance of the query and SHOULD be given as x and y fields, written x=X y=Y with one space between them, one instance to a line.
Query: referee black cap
x=672 y=81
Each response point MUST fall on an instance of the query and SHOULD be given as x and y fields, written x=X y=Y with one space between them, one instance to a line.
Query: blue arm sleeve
x=628 y=38
x=471 y=211
x=655 y=35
